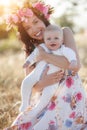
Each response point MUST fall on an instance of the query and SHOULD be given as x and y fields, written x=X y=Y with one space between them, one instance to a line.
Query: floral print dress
x=66 y=111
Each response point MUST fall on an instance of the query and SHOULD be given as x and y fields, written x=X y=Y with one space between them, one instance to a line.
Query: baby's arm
x=71 y=57
x=73 y=65
x=26 y=64
x=30 y=59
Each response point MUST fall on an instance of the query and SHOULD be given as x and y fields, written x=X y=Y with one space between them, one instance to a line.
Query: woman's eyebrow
x=27 y=26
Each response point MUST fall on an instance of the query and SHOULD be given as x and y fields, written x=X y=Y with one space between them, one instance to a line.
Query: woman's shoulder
x=67 y=33
x=66 y=29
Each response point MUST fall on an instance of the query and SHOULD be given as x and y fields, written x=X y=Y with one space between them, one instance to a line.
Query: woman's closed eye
x=27 y=28
x=35 y=22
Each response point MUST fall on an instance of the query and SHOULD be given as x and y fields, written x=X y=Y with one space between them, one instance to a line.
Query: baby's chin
x=53 y=47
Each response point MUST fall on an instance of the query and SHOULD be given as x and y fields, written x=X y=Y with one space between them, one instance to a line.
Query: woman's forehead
x=30 y=20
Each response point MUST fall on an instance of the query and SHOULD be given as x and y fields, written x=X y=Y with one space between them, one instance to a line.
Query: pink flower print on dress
x=78 y=96
x=51 y=106
x=67 y=98
x=52 y=125
x=26 y=126
x=72 y=115
x=69 y=81
x=51 y=122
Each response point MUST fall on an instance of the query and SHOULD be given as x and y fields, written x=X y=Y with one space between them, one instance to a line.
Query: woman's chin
x=39 y=38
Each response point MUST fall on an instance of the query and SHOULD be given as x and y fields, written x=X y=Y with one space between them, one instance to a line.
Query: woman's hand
x=47 y=80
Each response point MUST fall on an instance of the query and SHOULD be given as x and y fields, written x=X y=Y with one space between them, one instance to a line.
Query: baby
x=53 y=38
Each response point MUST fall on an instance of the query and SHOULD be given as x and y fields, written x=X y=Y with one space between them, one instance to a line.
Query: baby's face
x=53 y=39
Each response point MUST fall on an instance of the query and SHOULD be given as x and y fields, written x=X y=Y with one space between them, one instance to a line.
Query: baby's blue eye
x=48 y=38
x=56 y=38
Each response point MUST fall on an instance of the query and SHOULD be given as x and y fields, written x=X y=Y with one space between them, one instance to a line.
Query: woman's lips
x=39 y=34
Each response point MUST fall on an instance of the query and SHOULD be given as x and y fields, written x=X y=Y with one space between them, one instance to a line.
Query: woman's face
x=34 y=27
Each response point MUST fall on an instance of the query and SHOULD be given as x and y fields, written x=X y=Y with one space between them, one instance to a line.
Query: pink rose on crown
x=15 y=18
x=12 y=18
x=22 y=14
x=42 y=8
x=8 y=20
x=25 y=12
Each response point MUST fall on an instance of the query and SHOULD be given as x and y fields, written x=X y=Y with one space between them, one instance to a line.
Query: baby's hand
x=26 y=64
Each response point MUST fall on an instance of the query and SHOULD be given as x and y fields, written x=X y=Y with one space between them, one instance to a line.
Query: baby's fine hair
x=52 y=27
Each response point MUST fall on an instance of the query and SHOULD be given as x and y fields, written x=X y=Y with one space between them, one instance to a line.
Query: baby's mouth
x=53 y=45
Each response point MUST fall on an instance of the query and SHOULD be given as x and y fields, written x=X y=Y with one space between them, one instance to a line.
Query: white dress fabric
x=34 y=77
x=65 y=111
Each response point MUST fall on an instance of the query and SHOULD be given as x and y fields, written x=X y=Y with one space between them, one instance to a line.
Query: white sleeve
x=31 y=57
x=44 y=47
x=69 y=54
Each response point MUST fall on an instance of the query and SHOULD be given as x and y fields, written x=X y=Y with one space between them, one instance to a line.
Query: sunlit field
x=12 y=73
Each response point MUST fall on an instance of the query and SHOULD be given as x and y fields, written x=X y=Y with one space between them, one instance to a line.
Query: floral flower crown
x=22 y=14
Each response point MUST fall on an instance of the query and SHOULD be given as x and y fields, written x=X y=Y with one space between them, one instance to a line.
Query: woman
x=31 y=22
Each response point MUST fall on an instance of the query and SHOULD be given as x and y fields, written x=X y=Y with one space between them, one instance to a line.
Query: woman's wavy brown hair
x=30 y=43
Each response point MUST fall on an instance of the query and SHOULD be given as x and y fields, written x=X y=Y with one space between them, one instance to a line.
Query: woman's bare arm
x=48 y=79
x=56 y=60
x=69 y=41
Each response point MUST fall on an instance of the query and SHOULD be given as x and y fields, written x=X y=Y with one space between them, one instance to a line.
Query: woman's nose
x=33 y=29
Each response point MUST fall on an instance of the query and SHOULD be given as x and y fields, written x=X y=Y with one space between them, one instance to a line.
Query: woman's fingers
x=52 y=78
x=59 y=76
